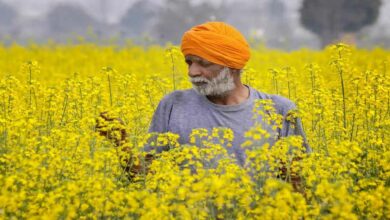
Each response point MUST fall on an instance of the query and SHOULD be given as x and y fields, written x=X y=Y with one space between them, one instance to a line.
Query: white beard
x=217 y=86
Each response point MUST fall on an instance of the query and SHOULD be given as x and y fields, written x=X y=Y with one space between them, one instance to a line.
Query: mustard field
x=55 y=164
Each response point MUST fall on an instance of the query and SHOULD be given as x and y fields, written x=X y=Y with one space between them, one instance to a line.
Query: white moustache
x=199 y=79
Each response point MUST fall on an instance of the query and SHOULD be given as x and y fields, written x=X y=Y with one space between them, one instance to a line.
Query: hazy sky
x=114 y=9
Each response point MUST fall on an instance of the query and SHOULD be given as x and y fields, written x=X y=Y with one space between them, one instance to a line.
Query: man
x=216 y=53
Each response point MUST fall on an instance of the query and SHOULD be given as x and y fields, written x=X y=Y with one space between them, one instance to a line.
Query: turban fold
x=217 y=42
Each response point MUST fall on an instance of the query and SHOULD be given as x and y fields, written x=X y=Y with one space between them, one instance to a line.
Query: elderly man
x=216 y=53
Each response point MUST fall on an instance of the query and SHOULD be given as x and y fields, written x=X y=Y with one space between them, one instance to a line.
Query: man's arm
x=292 y=125
x=160 y=122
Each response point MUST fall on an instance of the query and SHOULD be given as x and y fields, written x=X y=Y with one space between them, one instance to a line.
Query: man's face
x=208 y=78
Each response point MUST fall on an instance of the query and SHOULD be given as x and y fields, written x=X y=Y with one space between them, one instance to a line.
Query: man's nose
x=194 y=70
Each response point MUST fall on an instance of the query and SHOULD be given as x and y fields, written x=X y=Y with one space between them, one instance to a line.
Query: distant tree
x=68 y=19
x=137 y=18
x=278 y=28
x=329 y=19
x=177 y=16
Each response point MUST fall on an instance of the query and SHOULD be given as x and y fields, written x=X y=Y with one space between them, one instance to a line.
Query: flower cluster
x=74 y=121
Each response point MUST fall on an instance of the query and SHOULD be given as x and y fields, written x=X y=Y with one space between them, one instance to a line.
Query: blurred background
x=280 y=24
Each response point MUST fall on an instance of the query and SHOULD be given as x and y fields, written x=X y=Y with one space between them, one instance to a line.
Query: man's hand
x=111 y=128
x=292 y=176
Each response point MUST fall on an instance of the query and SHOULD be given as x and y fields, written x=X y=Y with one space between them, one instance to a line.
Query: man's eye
x=189 y=62
x=204 y=64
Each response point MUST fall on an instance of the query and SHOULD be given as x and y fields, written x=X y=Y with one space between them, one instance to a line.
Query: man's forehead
x=196 y=58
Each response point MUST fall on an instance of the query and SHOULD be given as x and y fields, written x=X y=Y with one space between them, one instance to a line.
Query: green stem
x=30 y=83
x=354 y=115
x=173 y=69
x=312 y=92
x=109 y=86
x=64 y=108
x=343 y=93
x=81 y=102
x=5 y=122
x=288 y=84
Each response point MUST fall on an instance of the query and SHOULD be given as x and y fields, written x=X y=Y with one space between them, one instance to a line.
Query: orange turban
x=217 y=42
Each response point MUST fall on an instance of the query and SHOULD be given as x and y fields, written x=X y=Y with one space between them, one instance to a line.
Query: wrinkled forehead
x=195 y=58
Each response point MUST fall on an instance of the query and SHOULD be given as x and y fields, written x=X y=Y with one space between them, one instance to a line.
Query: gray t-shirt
x=184 y=110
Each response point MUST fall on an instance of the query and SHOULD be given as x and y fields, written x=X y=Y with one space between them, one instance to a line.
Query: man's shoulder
x=281 y=103
x=179 y=96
